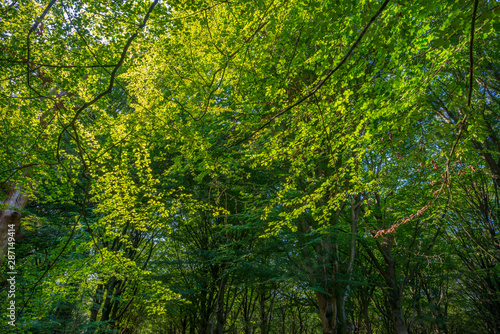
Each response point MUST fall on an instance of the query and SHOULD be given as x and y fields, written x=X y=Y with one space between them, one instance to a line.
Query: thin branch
x=55 y=66
x=71 y=124
x=471 y=49
x=111 y=81
x=321 y=83
x=33 y=28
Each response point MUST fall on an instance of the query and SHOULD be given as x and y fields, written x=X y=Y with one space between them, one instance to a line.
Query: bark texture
x=10 y=214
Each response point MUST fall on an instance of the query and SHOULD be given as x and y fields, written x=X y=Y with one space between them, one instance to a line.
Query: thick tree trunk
x=341 y=316
x=247 y=306
x=106 y=309
x=388 y=273
x=332 y=314
x=397 y=312
x=395 y=298
x=366 y=317
x=263 y=313
x=10 y=215
x=221 y=310
x=96 y=303
x=205 y=311
x=327 y=313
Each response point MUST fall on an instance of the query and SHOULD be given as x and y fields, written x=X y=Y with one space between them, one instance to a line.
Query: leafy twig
x=321 y=83
x=471 y=49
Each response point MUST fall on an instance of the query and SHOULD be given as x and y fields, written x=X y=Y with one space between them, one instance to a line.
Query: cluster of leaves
x=281 y=166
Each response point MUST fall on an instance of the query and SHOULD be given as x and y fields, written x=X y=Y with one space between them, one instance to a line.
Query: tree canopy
x=269 y=166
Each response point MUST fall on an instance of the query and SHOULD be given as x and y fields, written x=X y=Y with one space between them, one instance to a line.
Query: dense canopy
x=264 y=166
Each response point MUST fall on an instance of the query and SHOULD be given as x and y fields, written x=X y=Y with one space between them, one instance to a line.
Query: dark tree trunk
x=97 y=301
x=332 y=313
x=397 y=311
x=221 y=310
x=263 y=314
x=106 y=309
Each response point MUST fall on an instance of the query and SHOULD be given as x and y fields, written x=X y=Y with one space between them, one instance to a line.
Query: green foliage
x=273 y=166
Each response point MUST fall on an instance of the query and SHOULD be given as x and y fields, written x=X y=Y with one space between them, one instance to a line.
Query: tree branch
x=33 y=28
x=111 y=81
x=321 y=83
x=471 y=49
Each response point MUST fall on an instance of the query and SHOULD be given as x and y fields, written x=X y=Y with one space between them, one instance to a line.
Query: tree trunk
x=332 y=314
x=397 y=311
x=366 y=317
x=10 y=215
x=263 y=314
x=221 y=311
x=96 y=303
x=388 y=273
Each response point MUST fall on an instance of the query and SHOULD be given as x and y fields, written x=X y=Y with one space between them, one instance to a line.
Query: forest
x=249 y=166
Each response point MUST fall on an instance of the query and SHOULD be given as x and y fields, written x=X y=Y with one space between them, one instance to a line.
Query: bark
x=366 y=317
x=263 y=313
x=332 y=313
x=205 y=309
x=331 y=302
x=10 y=214
x=248 y=307
x=388 y=273
x=96 y=303
x=493 y=166
x=221 y=312
x=106 y=310
x=397 y=311
x=394 y=292
x=120 y=287
x=192 y=327
x=341 y=317
x=299 y=318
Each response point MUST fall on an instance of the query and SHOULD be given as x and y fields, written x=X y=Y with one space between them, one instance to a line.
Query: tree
x=233 y=166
